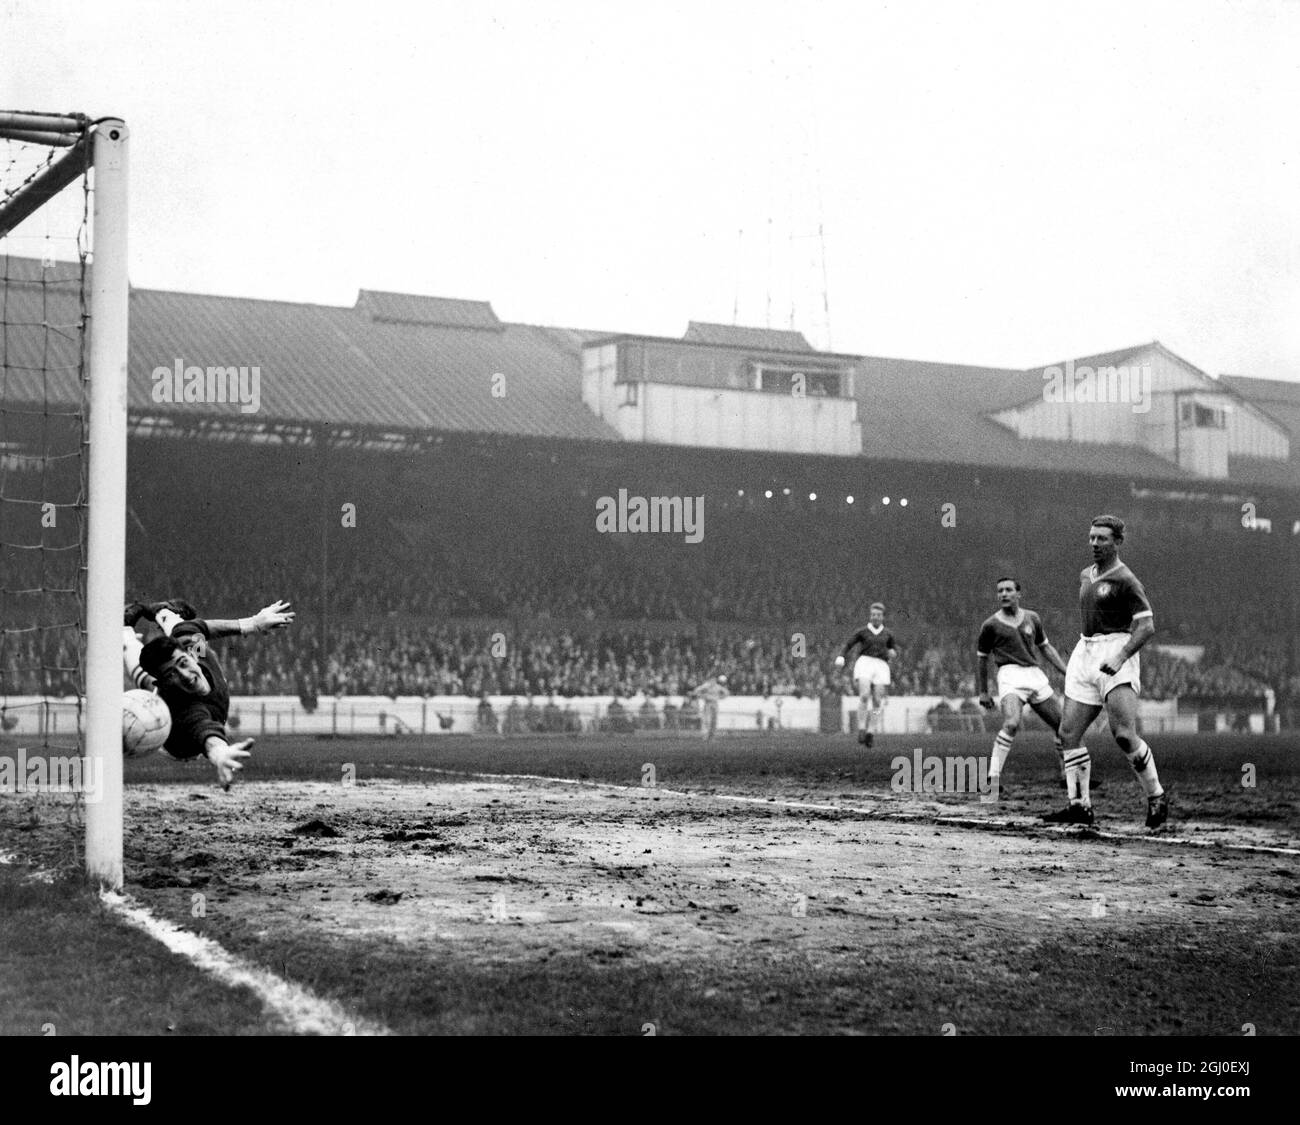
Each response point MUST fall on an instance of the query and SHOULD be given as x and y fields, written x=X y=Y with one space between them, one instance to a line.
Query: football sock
x=1078 y=769
x=1144 y=765
x=864 y=715
x=1001 y=748
x=131 y=647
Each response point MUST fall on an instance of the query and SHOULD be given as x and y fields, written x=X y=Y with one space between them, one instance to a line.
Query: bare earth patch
x=491 y=873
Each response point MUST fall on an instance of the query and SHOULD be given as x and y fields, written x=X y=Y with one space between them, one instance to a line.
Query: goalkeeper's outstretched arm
x=277 y=615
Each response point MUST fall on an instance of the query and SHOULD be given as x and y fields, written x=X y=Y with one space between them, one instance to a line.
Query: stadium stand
x=472 y=465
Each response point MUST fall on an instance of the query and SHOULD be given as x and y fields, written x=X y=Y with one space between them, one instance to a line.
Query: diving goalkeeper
x=181 y=667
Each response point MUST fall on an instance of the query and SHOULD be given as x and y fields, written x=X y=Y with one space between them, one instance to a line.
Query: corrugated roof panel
x=34 y=271
x=738 y=336
x=324 y=364
x=1276 y=398
x=1264 y=471
x=450 y=374
x=308 y=368
x=1103 y=359
x=1263 y=390
x=40 y=331
x=938 y=412
x=445 y=312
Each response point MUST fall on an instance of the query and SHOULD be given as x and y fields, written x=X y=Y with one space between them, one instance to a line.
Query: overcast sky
x=997 y=183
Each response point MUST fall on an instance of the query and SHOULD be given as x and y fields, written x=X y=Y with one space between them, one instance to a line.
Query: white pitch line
x=878 y=814
x=302 y=1011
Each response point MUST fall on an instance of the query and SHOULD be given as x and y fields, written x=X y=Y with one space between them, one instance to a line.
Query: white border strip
x=303 y=1012
x=979 y=823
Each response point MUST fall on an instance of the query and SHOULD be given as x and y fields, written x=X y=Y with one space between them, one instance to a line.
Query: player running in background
x=871 y=670
x=711 y=693
x=1104 y=671
x=1014 y=638
x=191 y=682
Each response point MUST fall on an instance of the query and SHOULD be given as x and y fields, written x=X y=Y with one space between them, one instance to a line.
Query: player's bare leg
x=1121 y=710
x=1050 y=712
x=1075 y=720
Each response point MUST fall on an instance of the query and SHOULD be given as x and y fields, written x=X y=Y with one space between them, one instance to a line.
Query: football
x=146 y=722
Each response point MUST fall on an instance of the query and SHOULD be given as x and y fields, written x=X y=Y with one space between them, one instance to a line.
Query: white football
x=146 y=722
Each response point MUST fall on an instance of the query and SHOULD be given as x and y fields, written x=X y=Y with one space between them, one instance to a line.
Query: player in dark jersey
x=871 y=677
x=1014 y=638
x=191 y=682
x=1104 y=670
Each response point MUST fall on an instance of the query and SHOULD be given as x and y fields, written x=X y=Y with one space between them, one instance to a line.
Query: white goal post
x=100 y=147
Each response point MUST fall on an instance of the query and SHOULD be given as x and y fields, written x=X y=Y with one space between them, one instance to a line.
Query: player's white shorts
x=1084 y=679
x=868 y=670
x=1030 y=684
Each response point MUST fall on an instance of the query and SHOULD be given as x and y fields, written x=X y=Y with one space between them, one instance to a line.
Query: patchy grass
x=68 y=968
x=1118 y=984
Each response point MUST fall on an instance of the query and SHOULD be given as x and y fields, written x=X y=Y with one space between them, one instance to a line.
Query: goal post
x=99 y=150
x=106 y=541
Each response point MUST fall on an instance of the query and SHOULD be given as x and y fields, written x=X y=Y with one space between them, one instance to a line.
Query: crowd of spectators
x=402 y=659
x=522 y=605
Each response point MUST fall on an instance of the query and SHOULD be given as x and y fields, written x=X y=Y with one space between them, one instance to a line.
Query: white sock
x=1001 y=748
x=864 y=715
x=1078 y=771
x=1144 y=765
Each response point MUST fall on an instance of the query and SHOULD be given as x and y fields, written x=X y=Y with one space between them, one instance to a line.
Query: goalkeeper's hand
x=839 y=662
x=228 y=758
x=274 y=616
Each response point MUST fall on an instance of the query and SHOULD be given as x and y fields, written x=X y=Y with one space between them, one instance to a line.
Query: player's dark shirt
x=195 y=718
x=871 y=643
x=1009 y=643
x=1110 y=602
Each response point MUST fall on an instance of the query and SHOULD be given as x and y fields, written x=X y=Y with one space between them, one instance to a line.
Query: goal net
x=63 y=325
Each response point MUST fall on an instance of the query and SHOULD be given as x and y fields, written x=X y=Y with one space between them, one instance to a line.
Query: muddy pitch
x=512 y=870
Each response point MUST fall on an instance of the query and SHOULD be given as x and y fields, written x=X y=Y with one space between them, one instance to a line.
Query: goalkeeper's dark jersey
x=195 y=718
